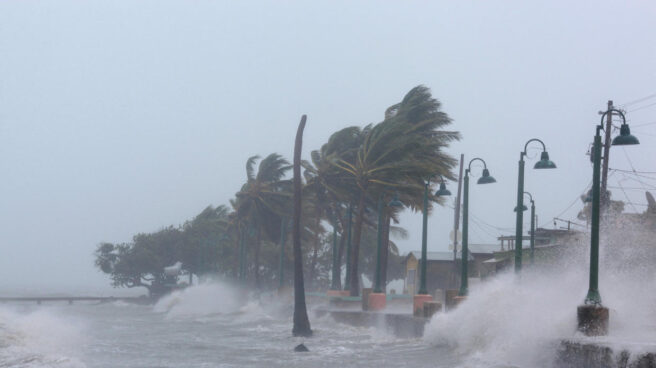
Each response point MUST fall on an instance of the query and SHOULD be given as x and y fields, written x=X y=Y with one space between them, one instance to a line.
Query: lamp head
x=443 y=191
x=588 y=197
x=625 y=138
x=486 y=178
x=544 y=162
x=395 y=202
x=524 y=208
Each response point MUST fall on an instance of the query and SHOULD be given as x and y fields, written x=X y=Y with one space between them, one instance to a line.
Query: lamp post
x=544 y=163
x=486 y=178
x=422 y=294
x=377 y=297
x=424 y=232
x=281 y=262
x=592 y=316
x=524 y=208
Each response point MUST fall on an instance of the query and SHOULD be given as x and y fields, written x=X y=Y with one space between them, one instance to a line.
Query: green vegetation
x=354 y=168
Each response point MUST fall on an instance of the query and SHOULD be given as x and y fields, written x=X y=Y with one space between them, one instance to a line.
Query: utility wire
x=638 y=100
x=643 y=107
x=641 y=125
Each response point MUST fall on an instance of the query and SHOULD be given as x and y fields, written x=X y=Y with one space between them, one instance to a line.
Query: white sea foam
x=39 y=338
x=211 y=299
x=519 y=321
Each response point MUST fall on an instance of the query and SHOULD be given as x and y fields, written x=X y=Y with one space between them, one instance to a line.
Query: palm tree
x=398 y=154
x=262 y=200
x=301 y=322
x=323 y=188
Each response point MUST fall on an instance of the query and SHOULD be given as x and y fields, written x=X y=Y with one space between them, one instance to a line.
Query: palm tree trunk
x=301 y=321
x=355 y=247
x=385 y=251
x=315 y=254
x=340 y=252
x=258 y=243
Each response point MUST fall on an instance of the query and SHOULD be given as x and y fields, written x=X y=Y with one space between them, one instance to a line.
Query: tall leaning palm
x=397 y=155
x=263 y=199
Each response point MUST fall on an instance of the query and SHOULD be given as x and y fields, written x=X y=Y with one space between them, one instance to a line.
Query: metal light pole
x=544 y=163
x=378 y=288
x=625 y=138
x=484 y=179
x=592 y=316
x=423 y=290
x=524 y=208
x=532 y=229
x=347 y=277
x=281 y=263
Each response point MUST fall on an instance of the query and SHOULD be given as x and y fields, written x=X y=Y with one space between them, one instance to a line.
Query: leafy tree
x=141 y=263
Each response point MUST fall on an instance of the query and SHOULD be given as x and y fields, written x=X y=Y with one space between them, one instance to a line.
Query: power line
x=638 y=100
x=644 y=124
x=628 y=200
x=643 y=107
x=629 y=188
x=637 y=173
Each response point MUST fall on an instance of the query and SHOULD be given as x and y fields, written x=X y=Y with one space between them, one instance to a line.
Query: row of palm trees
x=356 y=168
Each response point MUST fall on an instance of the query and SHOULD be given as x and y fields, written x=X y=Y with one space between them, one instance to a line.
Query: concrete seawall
x=576 y=354
x=400 y=325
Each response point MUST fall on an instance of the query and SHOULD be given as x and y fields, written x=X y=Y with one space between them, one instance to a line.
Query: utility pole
x=604 y=170
x=456 y=221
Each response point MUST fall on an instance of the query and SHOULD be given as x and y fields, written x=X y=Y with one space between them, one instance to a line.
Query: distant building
x=441 y=272
x=485 y=260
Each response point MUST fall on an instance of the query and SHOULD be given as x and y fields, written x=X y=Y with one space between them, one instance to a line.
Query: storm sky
x=120 y=117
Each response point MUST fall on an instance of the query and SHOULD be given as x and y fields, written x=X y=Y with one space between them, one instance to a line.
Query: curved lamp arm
x=530 y=196
x=601 y=123
x=474 y=159
x=544 y=148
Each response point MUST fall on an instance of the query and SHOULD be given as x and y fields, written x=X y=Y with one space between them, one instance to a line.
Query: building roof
x=438 y=256
x=483 y=248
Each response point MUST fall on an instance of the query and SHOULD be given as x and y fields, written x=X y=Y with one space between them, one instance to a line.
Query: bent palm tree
x=398 y=154
x=263 y=199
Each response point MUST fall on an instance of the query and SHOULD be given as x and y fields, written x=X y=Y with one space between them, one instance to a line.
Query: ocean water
x=201 y=326
x=508 y=321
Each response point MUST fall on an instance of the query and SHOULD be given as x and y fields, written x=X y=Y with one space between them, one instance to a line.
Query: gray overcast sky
x=126 y=116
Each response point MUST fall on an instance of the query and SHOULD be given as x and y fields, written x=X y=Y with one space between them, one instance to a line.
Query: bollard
x=418 y=304
x=430 y=308
x=377 y=301
x=365 y=298
x=449 y=299
x=593 y=320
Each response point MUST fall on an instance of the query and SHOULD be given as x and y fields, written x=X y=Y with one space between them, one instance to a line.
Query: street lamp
x=424 y=232
x=377 y=299
x=544 y=163
x=524 y=208
x=486 y=178
x=592 y=316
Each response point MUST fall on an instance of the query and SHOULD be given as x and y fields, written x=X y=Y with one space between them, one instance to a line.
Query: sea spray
x=39 y=338
x=520 y=320
x=205 y=299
